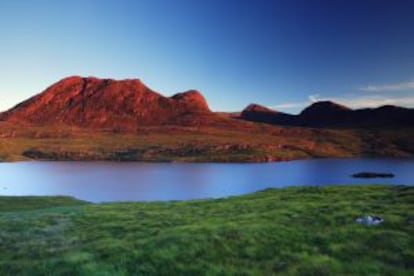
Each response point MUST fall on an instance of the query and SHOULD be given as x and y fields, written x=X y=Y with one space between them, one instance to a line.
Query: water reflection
x=113 y=181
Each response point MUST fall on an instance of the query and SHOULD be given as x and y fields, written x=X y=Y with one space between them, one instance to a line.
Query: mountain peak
x=258 y=113
x=329 y=104
x=324 y=108
x=71 y=80
x=257 y=108
x=193 y=99
x=95 y=102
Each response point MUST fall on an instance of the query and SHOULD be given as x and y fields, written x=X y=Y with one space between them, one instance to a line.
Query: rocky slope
x=106 y=103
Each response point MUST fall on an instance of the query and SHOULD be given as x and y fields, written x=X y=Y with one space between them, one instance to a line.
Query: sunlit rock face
x=93 y=102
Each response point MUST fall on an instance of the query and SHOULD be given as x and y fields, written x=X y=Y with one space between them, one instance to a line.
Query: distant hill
x=330 y=114
x=97 y=103
x=258 y=113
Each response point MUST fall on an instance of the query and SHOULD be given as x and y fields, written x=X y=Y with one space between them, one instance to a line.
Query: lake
x=124 y=181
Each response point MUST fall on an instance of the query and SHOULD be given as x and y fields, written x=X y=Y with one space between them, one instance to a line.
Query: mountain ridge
x=127 y=104
x=327 y=114
x=89 y=118
x=94 y=102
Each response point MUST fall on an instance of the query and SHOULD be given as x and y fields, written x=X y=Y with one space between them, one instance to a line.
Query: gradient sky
x=283 y=54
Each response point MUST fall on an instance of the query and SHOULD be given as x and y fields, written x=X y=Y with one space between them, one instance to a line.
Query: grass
x=290 y=231
x=21 y=203
x=254 y=143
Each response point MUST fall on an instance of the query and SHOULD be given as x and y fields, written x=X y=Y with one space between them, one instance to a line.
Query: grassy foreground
x=301 y=230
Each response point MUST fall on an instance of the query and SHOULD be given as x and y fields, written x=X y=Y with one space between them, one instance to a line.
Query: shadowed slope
x=258 y=113
x=325 y=113
x=330 y=114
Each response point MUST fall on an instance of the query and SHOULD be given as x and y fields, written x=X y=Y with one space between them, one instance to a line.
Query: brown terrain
x=103 y=119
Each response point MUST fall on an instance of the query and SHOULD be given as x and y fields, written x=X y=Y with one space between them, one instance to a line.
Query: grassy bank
x=306 y=231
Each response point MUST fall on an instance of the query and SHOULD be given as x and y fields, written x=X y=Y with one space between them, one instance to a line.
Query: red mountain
x=93 y=102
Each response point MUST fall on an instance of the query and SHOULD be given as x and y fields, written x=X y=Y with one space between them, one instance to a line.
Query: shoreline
x=214 y=161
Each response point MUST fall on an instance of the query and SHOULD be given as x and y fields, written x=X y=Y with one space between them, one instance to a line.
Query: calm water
x=113 y=181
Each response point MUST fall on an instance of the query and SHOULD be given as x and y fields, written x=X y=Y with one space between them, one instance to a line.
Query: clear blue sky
x=283 y=54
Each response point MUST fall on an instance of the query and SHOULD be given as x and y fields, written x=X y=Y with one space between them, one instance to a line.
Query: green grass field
x=296 y=231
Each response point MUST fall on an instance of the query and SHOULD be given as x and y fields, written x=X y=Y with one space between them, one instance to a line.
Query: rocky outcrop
x=372 y=175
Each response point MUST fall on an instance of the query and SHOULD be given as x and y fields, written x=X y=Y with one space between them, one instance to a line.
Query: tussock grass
x=290 y=231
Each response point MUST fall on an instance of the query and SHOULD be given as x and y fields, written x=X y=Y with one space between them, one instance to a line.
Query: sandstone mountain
x=100 y=103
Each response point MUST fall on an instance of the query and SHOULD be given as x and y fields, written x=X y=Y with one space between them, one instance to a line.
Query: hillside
x=106 y=103
x=258 y=113
x=103 y=119
x=327 y=114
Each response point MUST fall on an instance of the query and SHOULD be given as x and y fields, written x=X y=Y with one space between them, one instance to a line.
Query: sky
x=284 y=54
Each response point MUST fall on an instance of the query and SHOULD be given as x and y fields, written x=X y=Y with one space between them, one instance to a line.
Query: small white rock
x=370 y=220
